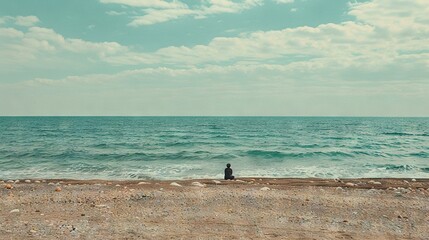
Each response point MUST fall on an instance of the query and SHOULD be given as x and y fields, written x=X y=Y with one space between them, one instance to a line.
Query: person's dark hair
x=228 y=165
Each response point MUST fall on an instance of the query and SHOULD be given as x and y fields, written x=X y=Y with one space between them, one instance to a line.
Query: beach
x=249 y=208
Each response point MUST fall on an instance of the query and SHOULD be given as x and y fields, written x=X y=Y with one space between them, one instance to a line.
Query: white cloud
x=284 y=1
x=368 y=45
x=21 y=48
x=227 y=6
x=384 y=52
x=26 y=21
x=147 y=3
x=5 y=19
x=395 y=16
x=163 y=11
x=154 y=16
x=10 y=33
x=115 y=13
x=370 y=42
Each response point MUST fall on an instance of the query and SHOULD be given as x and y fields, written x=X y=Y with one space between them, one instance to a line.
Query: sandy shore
x=207 y=209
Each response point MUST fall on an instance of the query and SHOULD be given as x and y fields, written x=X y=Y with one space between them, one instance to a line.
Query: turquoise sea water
x=199 y=147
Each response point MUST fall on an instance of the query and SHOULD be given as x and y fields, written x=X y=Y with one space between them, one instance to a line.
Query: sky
x=214 y=58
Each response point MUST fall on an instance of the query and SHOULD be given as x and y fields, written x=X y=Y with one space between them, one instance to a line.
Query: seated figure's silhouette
x=228 y=172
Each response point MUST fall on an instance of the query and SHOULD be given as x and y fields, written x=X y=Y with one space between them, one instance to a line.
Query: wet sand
x=249 y=208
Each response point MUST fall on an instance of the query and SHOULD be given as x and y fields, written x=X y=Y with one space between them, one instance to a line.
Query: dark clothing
x=228 y=174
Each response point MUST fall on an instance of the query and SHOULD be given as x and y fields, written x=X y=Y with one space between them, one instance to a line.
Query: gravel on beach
x=249 y=208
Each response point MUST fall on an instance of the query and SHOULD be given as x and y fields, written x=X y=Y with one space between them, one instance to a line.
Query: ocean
x=200 y=147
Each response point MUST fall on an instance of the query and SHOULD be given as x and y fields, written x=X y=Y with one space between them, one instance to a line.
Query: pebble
x=8 y=186
x=14 y=211
x=413 y=180
x=198 y=184
x=339 y=189
x=376 y=183
x=57 y=189
x=37 y=181
x=51 y=183
x=27 y=181
x=1 y=181
x=405 y=181
x=117 y=185
x=16 y=181
x=101 y=206
x=175 y=184
x=217 y=182
x=403 y=190
x=349 y=184
x=372 y=191
x=142 y=183
x=10 y=181
x=265 y=189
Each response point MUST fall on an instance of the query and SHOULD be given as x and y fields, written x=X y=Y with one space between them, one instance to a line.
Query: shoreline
x=363 y=183
x=247 y=208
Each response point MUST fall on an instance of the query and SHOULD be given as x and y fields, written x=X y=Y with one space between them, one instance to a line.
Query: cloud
x=369 y=42
x=163 y=11
x=10 y=33
x=147 y=3
x=396 y=17
x=154 y=16
x=248 y=89
x=380 y=55
x=35 y=46
x=25 y=21
x=115 y=13
x=284 y=1
x=368 y=45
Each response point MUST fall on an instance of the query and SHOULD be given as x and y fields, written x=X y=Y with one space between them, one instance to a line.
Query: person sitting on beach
x=228 y=172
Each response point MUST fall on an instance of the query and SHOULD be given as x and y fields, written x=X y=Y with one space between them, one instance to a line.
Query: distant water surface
x=199 y=147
